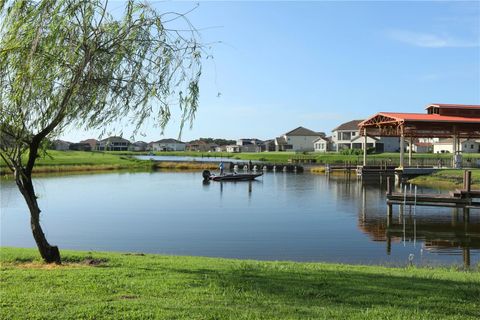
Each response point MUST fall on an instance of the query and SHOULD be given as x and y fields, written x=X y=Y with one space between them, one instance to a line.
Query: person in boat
x=221 y=166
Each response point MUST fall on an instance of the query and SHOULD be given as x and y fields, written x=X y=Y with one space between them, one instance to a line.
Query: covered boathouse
x=454 y=121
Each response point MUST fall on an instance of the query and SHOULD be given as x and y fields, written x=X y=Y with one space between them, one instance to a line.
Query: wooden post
x=402 y=148
x=410 y=152
x=365 y=147
x=454 y=149
x=389 y=186
x=364 y=204
x=469 y=181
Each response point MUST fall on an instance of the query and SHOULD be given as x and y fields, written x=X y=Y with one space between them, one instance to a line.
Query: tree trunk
x=49 y=253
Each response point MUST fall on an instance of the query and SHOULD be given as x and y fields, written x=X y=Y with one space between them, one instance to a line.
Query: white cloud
x=430 y=40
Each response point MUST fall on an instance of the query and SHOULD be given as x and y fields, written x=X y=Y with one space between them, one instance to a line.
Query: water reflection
x=452 y=231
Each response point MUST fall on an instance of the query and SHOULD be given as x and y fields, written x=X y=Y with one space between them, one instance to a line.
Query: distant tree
x=71 y=63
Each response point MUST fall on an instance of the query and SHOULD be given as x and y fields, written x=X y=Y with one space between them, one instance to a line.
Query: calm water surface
x=282 y=216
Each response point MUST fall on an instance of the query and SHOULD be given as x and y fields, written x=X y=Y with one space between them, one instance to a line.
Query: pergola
x=465 y=124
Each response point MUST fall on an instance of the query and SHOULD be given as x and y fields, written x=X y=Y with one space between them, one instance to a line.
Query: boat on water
x=231 y=176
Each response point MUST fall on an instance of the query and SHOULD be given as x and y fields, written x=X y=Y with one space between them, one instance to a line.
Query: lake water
x=282 y=216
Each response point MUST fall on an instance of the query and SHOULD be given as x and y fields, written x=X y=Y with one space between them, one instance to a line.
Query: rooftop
x=301 y=131
x=350 y=125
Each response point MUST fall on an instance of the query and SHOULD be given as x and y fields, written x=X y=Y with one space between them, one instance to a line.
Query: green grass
x=58 y=161
x=451 y=178
x=121 y=286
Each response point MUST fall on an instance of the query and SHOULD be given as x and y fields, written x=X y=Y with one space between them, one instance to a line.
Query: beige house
x=347 y=136
x=201 y=146
x=321 y=144
x=299 y=139
x=168 y=145
x=114 y=143
x=233 y=148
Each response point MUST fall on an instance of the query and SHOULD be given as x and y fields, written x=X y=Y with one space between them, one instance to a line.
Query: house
x=113 y=143
x=221 y=149
x=343 y=134
x=201 y=146
x=268 y=145
x=138 y=146
x=233 y=148
x=250 y=145
x=61 y=145
x=465 y=146
x=169 y=145
x=322 y=144
x=470 y=146
x=347 y=136
x=91 y=142
x=421 y=147
x=298 y=139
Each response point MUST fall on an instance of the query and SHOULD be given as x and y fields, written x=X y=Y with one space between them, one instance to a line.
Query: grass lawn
x=447 y=179
x=122 y=286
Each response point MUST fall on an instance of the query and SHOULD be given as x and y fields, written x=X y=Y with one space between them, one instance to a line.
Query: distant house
x=268 y=145
x=201 y=146
x=61 y=145
x=138 y=146
x=443 y=146
x=221 y=149
x=470 y=146
x=298 y=139
x=113 y=143
x=322 y=144
x=421 y=147
x=169 y=145
x=466 y=146
x=233 y=148
x=347 y=136
x=91 y=142
x=250 y=145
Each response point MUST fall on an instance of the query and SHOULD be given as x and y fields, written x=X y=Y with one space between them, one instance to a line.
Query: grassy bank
x=80 y=161
x=123 y=286
x=447 y=179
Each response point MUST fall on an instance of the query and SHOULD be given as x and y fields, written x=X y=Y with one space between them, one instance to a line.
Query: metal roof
x=421 y=117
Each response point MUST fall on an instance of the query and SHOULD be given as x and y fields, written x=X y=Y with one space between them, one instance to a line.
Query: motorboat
x=207 y=175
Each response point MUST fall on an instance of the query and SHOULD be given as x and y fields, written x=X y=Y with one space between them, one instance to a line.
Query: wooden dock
x=464 y=198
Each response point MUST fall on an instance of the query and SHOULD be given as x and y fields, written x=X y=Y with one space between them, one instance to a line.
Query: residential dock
x=464 y=198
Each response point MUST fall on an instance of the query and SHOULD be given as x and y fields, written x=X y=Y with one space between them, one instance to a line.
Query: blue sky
x=280 y=65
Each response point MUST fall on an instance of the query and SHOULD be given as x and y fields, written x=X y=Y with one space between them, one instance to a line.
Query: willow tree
x=71 y=63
